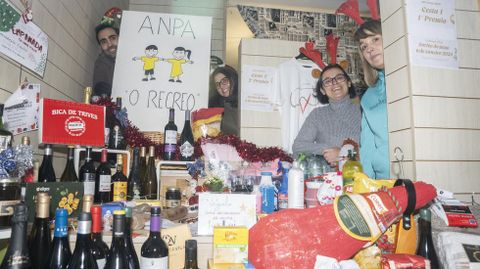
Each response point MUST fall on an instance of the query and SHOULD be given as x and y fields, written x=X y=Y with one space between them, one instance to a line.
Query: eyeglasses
x=338 y=78
x=224 y=81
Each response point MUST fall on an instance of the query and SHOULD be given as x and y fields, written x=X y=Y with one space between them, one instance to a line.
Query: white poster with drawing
x=258 y=87
x=432 y=33
x=163 y=62
x=20 y=113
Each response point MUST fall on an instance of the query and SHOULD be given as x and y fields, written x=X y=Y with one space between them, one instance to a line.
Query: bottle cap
x=87 y=202
x=97 y=223
x=119 y=212
x=266 y=173
x=43 y=205
x=20 y=213
x=190 y=249
x=119 y=159
x=25 y=140
x=156 y=210
x=425 y=214
x=128 y=212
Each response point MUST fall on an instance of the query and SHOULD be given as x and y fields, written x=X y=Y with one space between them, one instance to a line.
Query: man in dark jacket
x=107 y=37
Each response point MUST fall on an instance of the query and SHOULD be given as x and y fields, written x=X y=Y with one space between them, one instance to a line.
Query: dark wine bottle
x=143 y=163
x=69 y=173
x=87 y=173
x=150 y=180
x=132 y=257
x=117 y=257
x=40 y=240
x=108 y=124
x=6 y=137
x=186 y=140
x=425 y=246
x=17 y=256
x=134 y=178
x=117 y=140
x=103 y=180
x=46 y=173
x=82 y=257
x=191 y=254
x=60 y=252
x=99 y=248
x=119 y=182
x=154 y=253
x=170 y=137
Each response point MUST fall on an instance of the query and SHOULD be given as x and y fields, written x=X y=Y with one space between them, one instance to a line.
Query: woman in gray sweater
x=325 y=129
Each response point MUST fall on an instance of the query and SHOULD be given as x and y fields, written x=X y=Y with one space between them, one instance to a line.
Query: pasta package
x=363 y=184
x=206 y=122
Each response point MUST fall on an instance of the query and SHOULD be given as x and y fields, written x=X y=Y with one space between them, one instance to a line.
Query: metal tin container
x=173 y=197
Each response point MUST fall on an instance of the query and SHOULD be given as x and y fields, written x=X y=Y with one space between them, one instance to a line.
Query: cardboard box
x=175 y=238
x=230 y=244
x=212 y=265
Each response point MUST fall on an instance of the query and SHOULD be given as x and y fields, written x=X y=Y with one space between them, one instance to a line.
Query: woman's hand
x=331 y=155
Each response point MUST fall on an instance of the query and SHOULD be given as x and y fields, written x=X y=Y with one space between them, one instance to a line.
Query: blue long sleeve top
x=374 y=153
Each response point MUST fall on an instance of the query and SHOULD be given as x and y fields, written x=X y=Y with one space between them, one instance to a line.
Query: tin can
x=173 y=197
x=10 y=191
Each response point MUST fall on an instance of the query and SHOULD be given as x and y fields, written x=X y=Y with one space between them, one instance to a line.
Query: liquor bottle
x=425 y=246
x=87 y=173
x=99 y=248
x=117 y=140
x=350 y=167
x=134 y=178
x=17 y=256
x=186 y=140
x=191 y=254
x=132 y=257
x=40 y=240
x=150 y=179
x=87 y=95
x=103 y=180
x=60 y=252
x=69 y=173
x=6 y=137
x=82 y=257
x=119 y=182
x=117 y=257
x=170 y=137
x=46 y=172
x=143 y=162
x=154 y=253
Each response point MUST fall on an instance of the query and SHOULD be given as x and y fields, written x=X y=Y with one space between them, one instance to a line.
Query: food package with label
x=230 y=244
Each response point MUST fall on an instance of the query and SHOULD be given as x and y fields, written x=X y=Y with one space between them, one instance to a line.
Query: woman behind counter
x=224 y=93
x=325 y=129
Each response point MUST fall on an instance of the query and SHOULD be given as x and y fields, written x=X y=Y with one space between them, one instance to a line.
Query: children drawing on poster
x=149 y=61
x=180 y=57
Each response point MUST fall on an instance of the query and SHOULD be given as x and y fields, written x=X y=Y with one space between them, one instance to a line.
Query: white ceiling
x=320 y=4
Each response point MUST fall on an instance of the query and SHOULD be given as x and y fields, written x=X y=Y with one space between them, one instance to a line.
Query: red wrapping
x=332 y=44
x=350 y=8
x=372 y=5
x=292 y=238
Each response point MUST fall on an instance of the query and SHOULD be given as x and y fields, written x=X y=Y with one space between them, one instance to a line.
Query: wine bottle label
x=4 y=142
x=117 y=136
x=6 y=207
x=170 y=137
x=119 y=191
x=18 y=260
x=105 y=183
x=151 y=263
x=172 y=203
x=89 y=187
x=101 y=263
x=186 y=149
x=170 y=148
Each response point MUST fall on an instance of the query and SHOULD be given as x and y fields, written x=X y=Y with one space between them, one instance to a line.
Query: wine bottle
x=191 y=254
x=134 y=178
x=87 y=173
x=108 y=125
x=132 y=257
x=6 y=137
x=150 y=179
x=60 y=252
x=17 y=256
x=40 y=240
x=170 y=137
x=117 y=140
x=119 y=182
x=154 y=252
x=186 y=140
x=143 y=162
x=82 y=257
x=46 y=173
x=99 y=248
x=117 y=257
x=25 y=155
x=103 y=180
x=69 y=173
x=425 y=246
x=87 y=95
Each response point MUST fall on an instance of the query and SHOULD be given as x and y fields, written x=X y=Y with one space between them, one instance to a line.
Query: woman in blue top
x=374 y=153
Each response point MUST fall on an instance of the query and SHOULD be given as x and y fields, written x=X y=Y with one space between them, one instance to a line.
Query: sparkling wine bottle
x=103 y=180
x=69 y=171
x=99 y=248
x=117 y=257
x=119 y=182
x=17 y=256
x=40 y=240
x=191 y=254
x=132 y=257
x=87 y=173
x=170 y=137
x=117 y=140
x=82 y=257
x=134 y=178
x=150 y=180
x=60 y=252
x=154 y=253
x=186 y=140
x=46 y=173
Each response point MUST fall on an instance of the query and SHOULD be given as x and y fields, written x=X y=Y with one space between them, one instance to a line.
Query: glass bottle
x=40 y=240
x=17 y=256
x=87 y=95
x=6 y=137
x=154 y=253
x=150 y=179
x=170 y=137
x=46 y=173
x=60 y=252
x=87 y=173
x=132 y=257
x=134 y=178
x=69 y=173
x=350 y=167
x=191 y=254
x=425 y=246
x=82 y=257
x=143 y=162
x=24 y=154
x=99 y=247
x=117 y=140
x=186 y=140
x=119 y=182
x=117 y=257
x=103 y=180
x=268 y=193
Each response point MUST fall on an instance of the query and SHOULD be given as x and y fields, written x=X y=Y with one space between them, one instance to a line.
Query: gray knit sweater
x=328 y=126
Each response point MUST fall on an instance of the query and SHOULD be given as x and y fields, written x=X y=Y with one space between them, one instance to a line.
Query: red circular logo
x=75 y=126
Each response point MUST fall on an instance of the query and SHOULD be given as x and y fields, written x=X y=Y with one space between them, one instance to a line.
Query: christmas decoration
x=7 y=163
x=332 y=44
x=350 y=8
x=9 y=16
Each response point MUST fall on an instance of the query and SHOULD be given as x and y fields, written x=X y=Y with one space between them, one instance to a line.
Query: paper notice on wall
x=432 y=33
x=258 y=84
x=20 y=113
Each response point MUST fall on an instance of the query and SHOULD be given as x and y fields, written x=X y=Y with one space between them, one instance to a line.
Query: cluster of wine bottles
x=186 y=146
x=90 y=250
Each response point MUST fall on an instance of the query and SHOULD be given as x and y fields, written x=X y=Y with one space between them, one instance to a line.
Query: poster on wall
x=432 y=33
x=163 y=62
x=20 y=113
x=21 y=40
x=258 y=86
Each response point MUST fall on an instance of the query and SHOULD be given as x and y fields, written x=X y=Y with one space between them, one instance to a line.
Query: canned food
x=173 y=197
